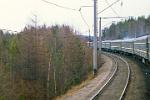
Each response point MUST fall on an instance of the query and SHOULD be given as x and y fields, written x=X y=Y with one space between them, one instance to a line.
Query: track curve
x=117 y=84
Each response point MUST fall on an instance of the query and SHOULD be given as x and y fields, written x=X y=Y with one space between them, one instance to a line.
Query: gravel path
x=137 y=87
x=91 y=86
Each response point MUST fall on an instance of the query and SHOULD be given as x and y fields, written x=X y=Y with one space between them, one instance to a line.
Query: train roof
x=112 y=41
x=129 y=39
x=142 y=37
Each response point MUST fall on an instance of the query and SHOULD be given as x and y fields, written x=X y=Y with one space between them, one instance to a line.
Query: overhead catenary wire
x=64 y=7
x=84 y=19
x=113 y=17
x=83 y=16
x=68 y=8
x=111 y=8
x=85 y=6
x=107 y=24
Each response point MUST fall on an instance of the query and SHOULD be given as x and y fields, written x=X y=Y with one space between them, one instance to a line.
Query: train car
x=106 y=45
x=140 y=47
x=116 y=45
x=128 y=46
x=103 y=45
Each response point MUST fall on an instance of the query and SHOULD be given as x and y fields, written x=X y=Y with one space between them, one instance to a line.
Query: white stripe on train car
x=129 y=48
x=140 y=43
x=140 y=50
x=114 y=46
x=107 y=43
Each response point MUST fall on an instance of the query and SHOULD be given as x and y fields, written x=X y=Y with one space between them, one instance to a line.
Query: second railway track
x=115 y=87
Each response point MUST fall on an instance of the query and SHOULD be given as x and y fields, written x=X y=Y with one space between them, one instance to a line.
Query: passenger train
x=138 y=47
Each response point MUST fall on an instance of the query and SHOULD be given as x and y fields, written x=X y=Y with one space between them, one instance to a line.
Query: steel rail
x=109 y=80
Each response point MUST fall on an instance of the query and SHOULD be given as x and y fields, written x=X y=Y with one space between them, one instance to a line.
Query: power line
x=85 y=6
x=113 y=17
x=107 y=24
x=83 y=16
x=111 y=8
x=64 y=7
x=84 y=19
x=67 y=8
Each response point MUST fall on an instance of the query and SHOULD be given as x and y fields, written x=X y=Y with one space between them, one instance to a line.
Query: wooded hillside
x=133 y=27
x=41 y=63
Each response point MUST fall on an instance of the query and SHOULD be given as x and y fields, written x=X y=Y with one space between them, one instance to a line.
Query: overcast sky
x=15 y=14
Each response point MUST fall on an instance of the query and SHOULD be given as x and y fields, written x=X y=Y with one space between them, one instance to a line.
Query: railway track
x=116 y=85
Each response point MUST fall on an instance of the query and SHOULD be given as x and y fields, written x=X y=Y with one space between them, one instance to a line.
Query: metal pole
x=89 y=38
x=100 y=35
x=95 y=39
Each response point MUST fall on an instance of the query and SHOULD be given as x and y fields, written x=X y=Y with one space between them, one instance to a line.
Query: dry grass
x=76 y=87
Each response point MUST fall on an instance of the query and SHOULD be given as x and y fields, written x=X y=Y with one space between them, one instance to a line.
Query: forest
x=41 y=63
x=130 y=28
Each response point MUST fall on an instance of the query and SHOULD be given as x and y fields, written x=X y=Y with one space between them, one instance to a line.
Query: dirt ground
x=137 y=89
